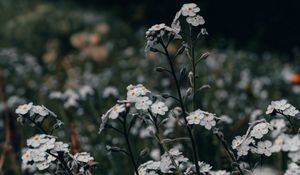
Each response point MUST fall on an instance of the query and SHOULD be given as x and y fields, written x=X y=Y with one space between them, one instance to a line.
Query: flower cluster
x=71 y=97
x=244 y=144
x=190 y=12
x=206 y=119
x=36 y=113
x=155 y=34
x=282 y=107
x=43 y=150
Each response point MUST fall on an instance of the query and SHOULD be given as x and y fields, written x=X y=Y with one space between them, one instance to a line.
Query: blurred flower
x=98 y=53
x=295 y=78
x=110 y=91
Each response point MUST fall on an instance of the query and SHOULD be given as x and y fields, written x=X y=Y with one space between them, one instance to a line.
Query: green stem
x=183 y=108
x=129 y=146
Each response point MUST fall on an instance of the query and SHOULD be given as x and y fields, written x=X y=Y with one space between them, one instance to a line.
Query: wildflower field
x=101 y=88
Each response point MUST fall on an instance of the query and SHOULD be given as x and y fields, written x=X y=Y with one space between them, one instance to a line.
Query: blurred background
x=77 y=57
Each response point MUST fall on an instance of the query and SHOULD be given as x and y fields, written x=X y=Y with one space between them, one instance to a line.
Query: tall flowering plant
x=172 y=121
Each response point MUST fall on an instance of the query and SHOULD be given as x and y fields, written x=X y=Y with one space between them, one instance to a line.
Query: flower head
x=24 y=109
x=83 y=157
x=159 y=108
x=195 y=20
x=189 y=9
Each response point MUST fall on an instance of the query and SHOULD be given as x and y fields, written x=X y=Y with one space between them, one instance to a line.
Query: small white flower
x=189 y=9
x=27 y=157
x=116 y=110
x=40 y=110
x=264 y=147
x=295 y=156
x=208 y=121
x=48 y=145
x=157 y=27
x=293 y=169
x=83 y=157
x=237 y=142
x=42 y=165
x=260 y=130
x=204 y=167
x=195 y=20
x=291 y=143
x=38 y=155
x=283 y=107
x=159 y=108
x=37 y=140
x=60 y=146
x=278 y=143
x=23 y=109
x=279 y=126
x=143 y=103
x=195 y=117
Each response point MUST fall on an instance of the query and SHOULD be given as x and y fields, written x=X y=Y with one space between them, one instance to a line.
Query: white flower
x=157 y=27
x=195 y=20
x=293 y=169
x=41 y=110
x=291 y=143
x=260 y=130
x=237 y=142
x=195 y=117
x=60 y=146
x=23 y=109
x=208 y=121
x=159 y=108
x=83 y=157
x=116 y=110
x=38 y=155
x=56 y=95
x=27 y=157
x=48 y=145
x=42 y=165
x=110 y=91
x=264 y=147
x=295 y=156
x=282 y=107
x=244 y=147
x=204 y=167
x=278 y=143
x=279 y=126
x=189 y=9
x=37 y=140
x=143 y=103
x=85 y=91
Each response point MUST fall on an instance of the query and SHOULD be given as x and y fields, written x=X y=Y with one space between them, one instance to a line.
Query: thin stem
x=62 y=161
x=37 y=125
x=129 y=146
x=229 y=152
x=193 y=69
x=161 y=143
x=183 y=109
